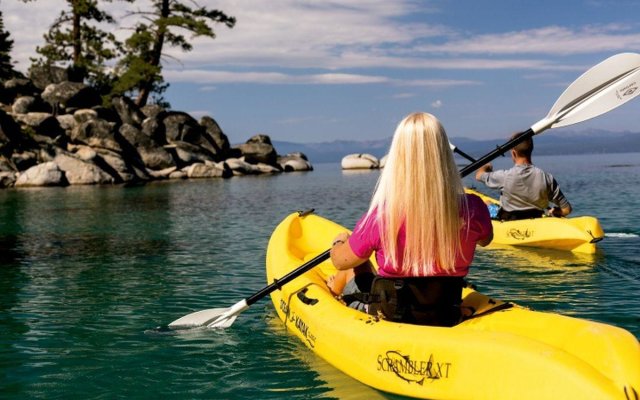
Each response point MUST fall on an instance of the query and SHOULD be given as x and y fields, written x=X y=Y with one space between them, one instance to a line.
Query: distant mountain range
x=549 y=143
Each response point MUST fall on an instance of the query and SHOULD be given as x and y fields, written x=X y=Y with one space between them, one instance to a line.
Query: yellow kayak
x=576 y=234
x=501 y=351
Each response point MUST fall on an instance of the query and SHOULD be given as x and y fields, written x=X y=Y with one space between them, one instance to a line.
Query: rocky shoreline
x=56 y=132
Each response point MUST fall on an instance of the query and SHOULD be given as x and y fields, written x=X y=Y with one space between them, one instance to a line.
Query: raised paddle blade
x=624 y=89
x=600 y=89
x=211 y=318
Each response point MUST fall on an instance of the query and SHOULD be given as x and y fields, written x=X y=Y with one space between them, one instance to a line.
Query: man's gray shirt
x=525 y=187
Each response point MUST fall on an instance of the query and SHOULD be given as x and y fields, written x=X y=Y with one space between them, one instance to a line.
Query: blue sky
x=317 y=71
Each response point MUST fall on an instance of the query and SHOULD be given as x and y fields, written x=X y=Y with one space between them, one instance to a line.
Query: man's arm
x=560 y=211
x=563 y=207
x=485 y=168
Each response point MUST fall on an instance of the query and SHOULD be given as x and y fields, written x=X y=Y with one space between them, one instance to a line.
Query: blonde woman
x=422 y=227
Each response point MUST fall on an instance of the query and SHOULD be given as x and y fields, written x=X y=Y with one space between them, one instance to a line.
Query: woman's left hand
x=341 y=238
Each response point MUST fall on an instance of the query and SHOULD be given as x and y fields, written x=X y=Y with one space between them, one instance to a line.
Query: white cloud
x=439 y=82
x=295 y=41
x=436 y=104
x=546 y=40
x=403 y=95
x=209 y=77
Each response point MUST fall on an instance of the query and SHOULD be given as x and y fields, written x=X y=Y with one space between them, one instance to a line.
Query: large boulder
x=186 y=153
x=295 y=162
x=181 y=127
x=45 y=174
x=240 y=167
x=153 y=155
x=123 y=169
x=41 y=123
x=7 y=165
x=83 y=115
x=207 y=170
x=218 y=139
x=154 y=129
x=7 y=179
x=10 y=134
x=258 y=149
x=128 y=111
x=96 y=133
x=44 y=75
x=152 y=110
x=67 y=122
x=27 y=104
x=163 y=173
x=360 y=161
x=24 y=160
x=71 y=95
x=16 y=87
x=80 y=172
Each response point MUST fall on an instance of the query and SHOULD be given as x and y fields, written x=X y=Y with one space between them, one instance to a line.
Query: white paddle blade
x=198 y=319
x=223 y=321
x=596 y=76
x=602 y=88
x=610 y=97
x=211 y=318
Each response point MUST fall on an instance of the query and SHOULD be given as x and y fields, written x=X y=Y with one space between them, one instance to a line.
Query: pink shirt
x=365 y=239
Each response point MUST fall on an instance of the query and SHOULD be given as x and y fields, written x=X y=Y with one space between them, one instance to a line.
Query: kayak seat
x=504 y=215
x=431 y=301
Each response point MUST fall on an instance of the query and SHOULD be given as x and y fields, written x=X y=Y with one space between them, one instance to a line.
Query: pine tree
x=6 y=45
x=74 y=40
x=141 y=67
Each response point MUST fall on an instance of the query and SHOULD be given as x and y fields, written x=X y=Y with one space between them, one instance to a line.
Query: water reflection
x=525 y=257
x=330 y=383
x=348 y=172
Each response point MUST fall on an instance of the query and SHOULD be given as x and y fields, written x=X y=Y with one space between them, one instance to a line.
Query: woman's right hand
x=342 y=256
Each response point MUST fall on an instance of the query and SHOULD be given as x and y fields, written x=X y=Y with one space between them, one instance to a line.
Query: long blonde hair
x=421 y=188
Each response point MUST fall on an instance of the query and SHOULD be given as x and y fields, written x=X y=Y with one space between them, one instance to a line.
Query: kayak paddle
x=602 y=88
x=224 y=317
x=462 y=153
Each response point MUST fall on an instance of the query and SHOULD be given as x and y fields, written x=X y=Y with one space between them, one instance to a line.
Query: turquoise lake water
x=88 y=274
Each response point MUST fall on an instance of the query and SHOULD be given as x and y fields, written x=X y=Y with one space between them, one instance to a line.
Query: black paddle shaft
x=463 y=154
x=500 y=150
x=278 y=283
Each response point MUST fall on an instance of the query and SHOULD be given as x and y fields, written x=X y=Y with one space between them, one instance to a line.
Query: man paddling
x=525 y=190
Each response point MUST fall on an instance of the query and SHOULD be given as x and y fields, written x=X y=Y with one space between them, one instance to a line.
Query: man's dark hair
x=524 y=148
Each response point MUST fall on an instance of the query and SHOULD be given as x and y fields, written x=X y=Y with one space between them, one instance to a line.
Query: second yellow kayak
x=576 y=234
